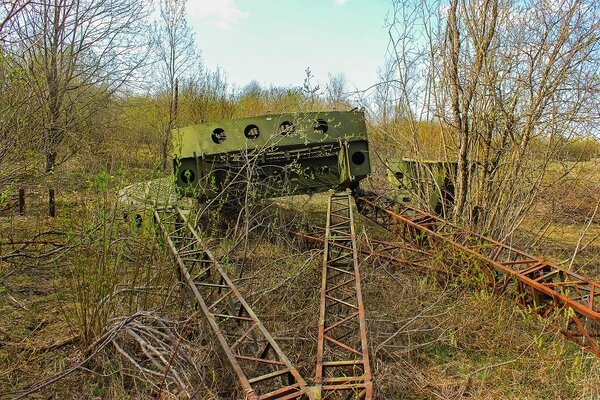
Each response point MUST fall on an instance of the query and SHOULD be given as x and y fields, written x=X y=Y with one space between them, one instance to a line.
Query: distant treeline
x=579 y=149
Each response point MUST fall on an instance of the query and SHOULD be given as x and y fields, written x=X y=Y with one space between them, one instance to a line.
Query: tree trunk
x=50 y=161
x=165 y=148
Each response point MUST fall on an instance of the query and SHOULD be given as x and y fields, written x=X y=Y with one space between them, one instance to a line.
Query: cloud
x=223 y=13
x=340 y=2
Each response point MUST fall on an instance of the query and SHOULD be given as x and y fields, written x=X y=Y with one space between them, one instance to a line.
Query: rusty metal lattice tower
x=263 y=370
x=385 y=251
x=343 y=369
x=538 y=285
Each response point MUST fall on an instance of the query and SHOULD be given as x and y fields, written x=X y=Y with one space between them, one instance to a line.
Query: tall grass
x=116 y=269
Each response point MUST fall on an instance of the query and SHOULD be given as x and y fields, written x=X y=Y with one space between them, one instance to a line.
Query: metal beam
x=262 y=369
x=538 y=285
x=343 y=369
x=387 y=251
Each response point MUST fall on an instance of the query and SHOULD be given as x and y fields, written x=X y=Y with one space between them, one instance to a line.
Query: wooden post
x=51 y=203
x=21 y=201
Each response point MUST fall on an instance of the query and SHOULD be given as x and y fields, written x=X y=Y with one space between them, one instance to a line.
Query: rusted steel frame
x=383 y=246
x=188 y=238
x=342 y=351
x=383 y=253
x=507 y=267
x=528 y=275
x=444 y=228
x=385 y=250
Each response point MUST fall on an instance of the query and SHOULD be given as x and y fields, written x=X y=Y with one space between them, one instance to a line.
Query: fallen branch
x=94 y=349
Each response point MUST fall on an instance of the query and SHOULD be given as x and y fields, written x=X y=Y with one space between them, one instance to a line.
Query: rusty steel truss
x=343 y=370
x=391 y=253
x=261 y=367
x=539 y=285
x=263 y=370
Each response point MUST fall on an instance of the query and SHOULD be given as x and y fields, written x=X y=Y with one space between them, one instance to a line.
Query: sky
x=274 y=41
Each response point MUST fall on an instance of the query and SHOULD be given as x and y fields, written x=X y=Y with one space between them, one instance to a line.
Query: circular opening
x=399 y=175
x=286 y=128
x=188 y=176
x=218 y=135
x=251 y=131
x=324 y=170
x=358 y=158
x=320 y=126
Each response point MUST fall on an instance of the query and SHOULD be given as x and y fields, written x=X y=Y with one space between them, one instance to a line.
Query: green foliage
x=6 y=193
x=443 y=353
x=99 y=391
x=101 y=181
x=112 y=266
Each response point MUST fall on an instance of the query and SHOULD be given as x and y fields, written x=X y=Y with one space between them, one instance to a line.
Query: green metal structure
x=423 y=183
x=274 y=155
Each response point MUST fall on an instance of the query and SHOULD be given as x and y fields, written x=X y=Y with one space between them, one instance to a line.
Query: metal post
x=51 y=204
x=21 y=201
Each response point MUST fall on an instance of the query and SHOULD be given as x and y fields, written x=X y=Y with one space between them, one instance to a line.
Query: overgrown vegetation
x=87 y=295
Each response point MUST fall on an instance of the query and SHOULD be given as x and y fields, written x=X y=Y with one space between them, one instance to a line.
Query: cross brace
x=538 y=285
x=262 y=369
x=343 y=369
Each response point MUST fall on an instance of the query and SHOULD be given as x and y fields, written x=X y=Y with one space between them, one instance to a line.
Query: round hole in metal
x=188 y=176
x=320 y=126
x=218 y=135
x=251 y=132
x=287 y=128
x=358 y=158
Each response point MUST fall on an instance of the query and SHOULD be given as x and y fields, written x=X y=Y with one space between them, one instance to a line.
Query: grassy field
x=66 y=281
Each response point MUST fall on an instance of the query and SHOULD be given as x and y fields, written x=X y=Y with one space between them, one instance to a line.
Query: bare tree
x=383 y=96
x=336 y=90
x=215 y=92
x=480 y=30
x=176 y=55
x=8 y=10
x=15 y=110
x=15 y=96
x=76 y=55
x=499 y=77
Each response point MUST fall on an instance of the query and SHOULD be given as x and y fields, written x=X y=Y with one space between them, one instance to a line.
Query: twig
x=583 y=232
x=60 y=343
x=406 y=324
x=95 y=348
x=151 y=351
x=502 y=363
x=17 y=302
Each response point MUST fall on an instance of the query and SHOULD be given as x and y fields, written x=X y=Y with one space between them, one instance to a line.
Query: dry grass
x=563 y=218
x=430 y=338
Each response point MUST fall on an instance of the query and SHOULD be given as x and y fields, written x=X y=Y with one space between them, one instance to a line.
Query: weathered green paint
x=298 y=160
x=423 y=183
